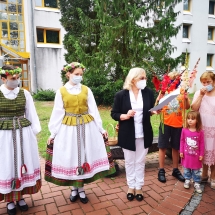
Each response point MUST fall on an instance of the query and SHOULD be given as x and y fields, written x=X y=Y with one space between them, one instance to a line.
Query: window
x=210 y=33
x=46 y=3
x=184 y=55
x=48 y=36
x=185 y=31
x=209 y=60
x=186 y=5
x=160 y=4
x=12 y=33
x=211 y=7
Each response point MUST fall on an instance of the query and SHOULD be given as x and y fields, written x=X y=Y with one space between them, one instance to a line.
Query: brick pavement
x=108 y=196
x=207 y=204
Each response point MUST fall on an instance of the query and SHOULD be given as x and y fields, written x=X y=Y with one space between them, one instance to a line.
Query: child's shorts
x=170 y=138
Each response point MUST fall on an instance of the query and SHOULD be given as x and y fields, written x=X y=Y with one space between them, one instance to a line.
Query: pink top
x=207 y=112
x=192 y=146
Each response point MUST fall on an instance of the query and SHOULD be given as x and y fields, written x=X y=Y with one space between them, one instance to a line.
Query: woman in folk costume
x=19 y=158
x=76 y=152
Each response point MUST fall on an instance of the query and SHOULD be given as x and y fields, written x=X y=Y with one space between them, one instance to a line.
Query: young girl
x=192 y=149
x=78 y=154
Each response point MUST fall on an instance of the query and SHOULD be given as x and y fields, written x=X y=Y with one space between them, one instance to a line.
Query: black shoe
x=130 y=196
x=11 y=211
x=139 y=197
x=83 y=200
x=161 y=176
x=22 y=207
x=176 y=173
x=73 y=198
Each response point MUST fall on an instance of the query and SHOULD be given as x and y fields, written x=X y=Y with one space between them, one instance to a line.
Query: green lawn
x=44 y=110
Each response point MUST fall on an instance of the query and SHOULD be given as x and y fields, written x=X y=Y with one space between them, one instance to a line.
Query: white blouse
x=30 y=111
x=137 y=105
x=58 y=112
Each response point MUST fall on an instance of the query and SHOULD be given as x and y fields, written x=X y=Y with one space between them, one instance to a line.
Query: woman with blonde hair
x=131 y=109
x=204 y=101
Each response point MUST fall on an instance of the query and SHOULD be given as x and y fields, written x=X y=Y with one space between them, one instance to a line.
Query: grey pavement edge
x=193 y=203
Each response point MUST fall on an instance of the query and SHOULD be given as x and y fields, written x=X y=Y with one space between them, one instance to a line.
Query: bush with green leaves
x=44 y=95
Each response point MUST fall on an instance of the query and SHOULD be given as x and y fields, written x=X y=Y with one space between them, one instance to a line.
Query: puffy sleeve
x=57 y=115
x=93 y=110
x=31 y=114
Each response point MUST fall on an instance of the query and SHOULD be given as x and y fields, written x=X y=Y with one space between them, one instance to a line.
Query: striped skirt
x=17 y=195
x=76 y=183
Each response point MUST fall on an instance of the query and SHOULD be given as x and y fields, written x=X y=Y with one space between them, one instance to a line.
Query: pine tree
x=111 y=36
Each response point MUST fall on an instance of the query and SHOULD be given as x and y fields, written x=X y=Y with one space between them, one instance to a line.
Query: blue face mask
x=209 y=87
x=76 y=79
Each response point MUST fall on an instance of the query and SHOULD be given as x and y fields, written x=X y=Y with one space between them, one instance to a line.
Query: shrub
x=44 y=95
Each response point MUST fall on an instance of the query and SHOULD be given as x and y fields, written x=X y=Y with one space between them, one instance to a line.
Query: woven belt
x=81 y=169
x=16 y=183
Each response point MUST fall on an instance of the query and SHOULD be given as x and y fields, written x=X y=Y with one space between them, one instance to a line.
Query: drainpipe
x=33 y=48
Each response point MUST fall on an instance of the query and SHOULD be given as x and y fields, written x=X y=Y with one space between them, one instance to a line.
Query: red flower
x=156 y=82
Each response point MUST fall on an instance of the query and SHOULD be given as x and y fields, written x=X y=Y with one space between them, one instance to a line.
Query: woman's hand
x=127 y=116
x=131 y=113
x=105 y=134
x=203 y=91
x=181 y=155
x=50 y=141
x=186 y=95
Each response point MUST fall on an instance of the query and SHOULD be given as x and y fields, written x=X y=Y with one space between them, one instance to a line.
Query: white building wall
x=198 y=46
x=46 y=60
x=49 y=57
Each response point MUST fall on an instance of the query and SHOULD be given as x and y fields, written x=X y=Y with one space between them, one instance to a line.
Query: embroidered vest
x=10 y=108
x=75 y=104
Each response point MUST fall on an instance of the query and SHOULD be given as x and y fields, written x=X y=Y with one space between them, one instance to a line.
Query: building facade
x=197 y=35
x=31 y=37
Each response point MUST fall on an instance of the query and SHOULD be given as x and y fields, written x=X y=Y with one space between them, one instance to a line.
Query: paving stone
x=108 y=196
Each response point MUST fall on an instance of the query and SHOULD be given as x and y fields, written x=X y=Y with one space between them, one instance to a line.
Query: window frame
x=188 y=31
x=44 y=35
x=212 y=14
x=211 y=28
x=19 y=42
x=184 y=56
x=43 y=5
x=211 y=61
x=189 y=6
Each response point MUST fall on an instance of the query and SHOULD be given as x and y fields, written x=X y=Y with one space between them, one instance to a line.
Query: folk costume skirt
x=30 y=181
x=62 y=157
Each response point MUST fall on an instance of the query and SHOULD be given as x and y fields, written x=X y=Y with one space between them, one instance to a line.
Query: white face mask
x=141 y=84
x=13 y=83
x=76 y=79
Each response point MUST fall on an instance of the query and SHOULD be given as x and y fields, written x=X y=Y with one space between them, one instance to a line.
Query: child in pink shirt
x=192 y=149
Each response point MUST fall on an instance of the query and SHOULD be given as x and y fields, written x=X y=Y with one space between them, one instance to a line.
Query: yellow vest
x=75 y=104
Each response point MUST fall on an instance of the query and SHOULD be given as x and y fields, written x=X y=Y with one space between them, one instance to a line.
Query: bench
x=118 y=154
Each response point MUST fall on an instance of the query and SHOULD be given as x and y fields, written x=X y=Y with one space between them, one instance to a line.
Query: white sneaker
x=187 y=184
x=213 y=183
x=197 y=188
